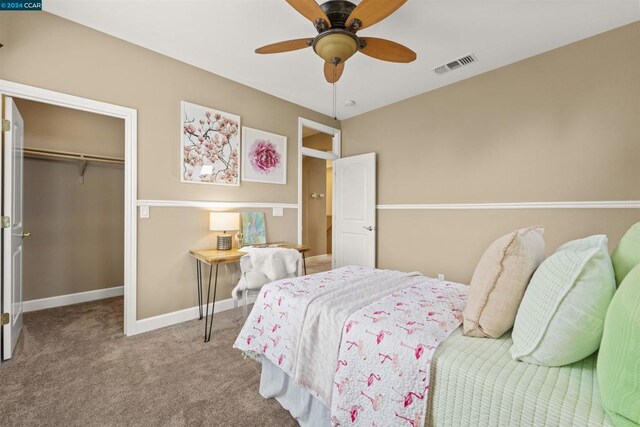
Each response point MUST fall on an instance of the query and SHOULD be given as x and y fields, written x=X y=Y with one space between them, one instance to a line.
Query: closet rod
x=67 y=155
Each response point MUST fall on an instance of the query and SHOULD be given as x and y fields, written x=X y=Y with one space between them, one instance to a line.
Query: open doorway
x=317 y=219
x=12 y=134
x=15 y=144
x=67 y=196
x=319 y=146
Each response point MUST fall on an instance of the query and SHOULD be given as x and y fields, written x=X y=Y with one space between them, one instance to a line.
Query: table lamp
x=224 y=221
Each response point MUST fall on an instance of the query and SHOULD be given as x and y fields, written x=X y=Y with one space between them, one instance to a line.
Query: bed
x=360 y=346
x=474 y=381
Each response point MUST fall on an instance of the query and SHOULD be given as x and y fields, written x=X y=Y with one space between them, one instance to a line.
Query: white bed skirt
x=306 y=409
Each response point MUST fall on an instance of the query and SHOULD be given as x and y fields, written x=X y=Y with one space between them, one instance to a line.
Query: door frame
x=334 y=154
x=130 y=117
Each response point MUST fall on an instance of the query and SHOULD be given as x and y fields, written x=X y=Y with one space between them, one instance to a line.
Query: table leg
x=245 y=293
x=199 y=286
x=304 y=263
x=207 y=332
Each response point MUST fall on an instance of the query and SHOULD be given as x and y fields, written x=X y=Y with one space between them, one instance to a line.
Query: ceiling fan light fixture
x=337 y=22
x=336 y=46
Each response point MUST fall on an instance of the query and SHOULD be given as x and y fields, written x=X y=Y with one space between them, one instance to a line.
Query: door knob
x=370 y=228
x=23 y=235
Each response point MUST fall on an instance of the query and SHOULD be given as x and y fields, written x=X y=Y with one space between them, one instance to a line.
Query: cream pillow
x=561 y=318
x=500 y=280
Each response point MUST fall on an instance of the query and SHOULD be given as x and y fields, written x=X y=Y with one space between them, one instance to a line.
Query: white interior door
x=12 y=235
x=354 y=222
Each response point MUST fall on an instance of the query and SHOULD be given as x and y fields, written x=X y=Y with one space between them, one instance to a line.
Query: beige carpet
x=73 y=367
x=319 y=264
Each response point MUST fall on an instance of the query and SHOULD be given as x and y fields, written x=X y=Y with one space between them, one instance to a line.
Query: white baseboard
x=173 y=318
x=62 y=300
x=144 y=325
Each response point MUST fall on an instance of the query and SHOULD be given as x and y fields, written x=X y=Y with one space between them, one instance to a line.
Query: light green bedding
x=474 y=382
x=619 y=358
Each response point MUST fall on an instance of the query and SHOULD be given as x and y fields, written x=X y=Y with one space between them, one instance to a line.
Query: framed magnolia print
x=264 y=156
x=210 y=146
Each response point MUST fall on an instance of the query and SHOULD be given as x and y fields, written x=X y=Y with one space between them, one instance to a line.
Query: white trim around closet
x=616 y=204
x=69 y=299
x=130 y=117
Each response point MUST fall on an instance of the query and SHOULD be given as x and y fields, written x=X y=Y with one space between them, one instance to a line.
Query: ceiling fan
x=337 y=22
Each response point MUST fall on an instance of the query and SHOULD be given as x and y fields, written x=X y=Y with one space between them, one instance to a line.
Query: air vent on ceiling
x=460 y=62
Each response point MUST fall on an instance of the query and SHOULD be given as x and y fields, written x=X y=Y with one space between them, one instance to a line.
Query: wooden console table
x=214 y=257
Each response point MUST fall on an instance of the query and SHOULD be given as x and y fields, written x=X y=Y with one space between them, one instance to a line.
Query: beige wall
x=318 y=141
x=329 y=203
x=561 y=126
x=329 y=185
x=58 y=128
x=314 y=211
x=47 y=51
x=168 y=268
x=77 y=230
x=451 y=242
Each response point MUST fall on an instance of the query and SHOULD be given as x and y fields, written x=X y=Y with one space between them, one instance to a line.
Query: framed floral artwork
x=264 y=156
x=210 y=146
x=254 y=231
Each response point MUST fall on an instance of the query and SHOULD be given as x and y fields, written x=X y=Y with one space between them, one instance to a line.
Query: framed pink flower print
x=210 y=146
x=264 y=156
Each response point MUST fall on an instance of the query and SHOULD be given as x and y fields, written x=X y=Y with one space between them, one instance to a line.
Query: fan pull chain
x=335 y=73
x=334 y=102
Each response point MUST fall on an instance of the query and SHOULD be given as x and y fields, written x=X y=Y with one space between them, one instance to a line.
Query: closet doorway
x=72 y=181
x=319 y=146
x=12 y=307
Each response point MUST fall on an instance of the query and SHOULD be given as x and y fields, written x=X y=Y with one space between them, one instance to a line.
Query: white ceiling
x=221 y=35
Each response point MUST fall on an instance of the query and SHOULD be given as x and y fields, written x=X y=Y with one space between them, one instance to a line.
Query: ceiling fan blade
x=369 y=12
x=387 y=50
x=333 y=72
x=285 y=46
x=310 y=10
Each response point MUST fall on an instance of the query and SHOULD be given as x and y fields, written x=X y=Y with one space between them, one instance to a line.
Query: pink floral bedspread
x=273 y=326
x=382 y=372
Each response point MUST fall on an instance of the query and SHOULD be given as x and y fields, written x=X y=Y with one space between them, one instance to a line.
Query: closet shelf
x=68 y=155
x=82 y=158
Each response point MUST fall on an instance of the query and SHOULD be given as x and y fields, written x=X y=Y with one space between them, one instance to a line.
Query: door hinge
x=5 y=222
x=6 y=125
x=6 y=317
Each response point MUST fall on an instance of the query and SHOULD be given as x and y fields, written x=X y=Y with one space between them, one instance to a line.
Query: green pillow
x=561 y=317
x=619 y=359
x=627 y=254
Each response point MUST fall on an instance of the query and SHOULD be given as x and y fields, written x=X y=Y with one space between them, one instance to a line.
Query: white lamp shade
x=224 y=221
